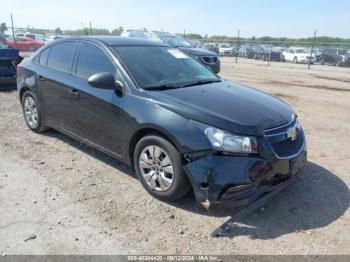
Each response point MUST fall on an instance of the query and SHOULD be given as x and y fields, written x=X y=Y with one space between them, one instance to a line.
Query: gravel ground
x=61 y=197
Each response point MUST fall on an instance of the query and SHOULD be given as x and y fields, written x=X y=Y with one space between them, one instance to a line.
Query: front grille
x=288 y=147
x=210 y=59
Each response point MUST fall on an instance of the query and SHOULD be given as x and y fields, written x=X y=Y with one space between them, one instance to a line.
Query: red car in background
x=24 y=44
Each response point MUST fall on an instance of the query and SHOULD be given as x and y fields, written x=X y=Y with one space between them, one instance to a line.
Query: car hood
x=197 y=51
x=226 y=105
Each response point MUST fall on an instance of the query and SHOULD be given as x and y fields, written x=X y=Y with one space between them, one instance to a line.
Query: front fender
x=144 y=113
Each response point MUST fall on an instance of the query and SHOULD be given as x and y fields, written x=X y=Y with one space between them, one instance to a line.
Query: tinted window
x=43 y=56
x=61 y=56
x=93 y=60
x=153 y=66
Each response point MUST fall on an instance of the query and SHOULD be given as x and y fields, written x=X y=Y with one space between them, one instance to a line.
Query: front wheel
x=158 y=166
x=295 y=60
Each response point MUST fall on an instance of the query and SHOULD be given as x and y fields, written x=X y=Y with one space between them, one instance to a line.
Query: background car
x=338 y=57
x=272 y=53
x=317 y=52
x=298 y=55
x=248 y=50
x=24 y=44
x=211 y=47
x=9 y=58
x=36 y=37
x=225 y=49
x=205 y=57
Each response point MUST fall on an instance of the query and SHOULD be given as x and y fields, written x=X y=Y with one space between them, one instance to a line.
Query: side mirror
x=102 y=80
x=118 y=86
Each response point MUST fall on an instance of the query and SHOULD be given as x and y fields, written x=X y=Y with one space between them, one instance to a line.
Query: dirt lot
x=60 y=197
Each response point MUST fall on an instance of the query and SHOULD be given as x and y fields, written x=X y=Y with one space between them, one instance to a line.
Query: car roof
x=114 y=40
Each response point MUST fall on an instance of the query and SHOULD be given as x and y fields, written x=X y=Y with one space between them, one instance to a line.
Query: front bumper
x=237 y=181
x=307 y=60
x=226 y=52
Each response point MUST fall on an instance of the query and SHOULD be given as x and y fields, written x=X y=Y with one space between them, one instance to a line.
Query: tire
x=339 y=64
x=166 y=179
x=295 y=60
x=322 y=61
x=32 y=113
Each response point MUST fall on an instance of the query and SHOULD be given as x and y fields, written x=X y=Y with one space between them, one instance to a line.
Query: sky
x=277 y=18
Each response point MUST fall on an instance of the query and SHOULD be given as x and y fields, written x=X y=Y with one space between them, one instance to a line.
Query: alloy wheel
x=156 y=168
x=31 y=112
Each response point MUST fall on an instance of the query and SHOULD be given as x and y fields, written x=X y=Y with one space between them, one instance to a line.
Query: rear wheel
x=158 y=166
x=32 y=113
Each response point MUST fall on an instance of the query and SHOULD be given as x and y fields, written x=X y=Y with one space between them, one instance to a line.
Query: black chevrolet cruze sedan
x=178 y=124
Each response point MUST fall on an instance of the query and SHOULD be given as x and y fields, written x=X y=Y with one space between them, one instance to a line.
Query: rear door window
x=61 y=56
x=43 y=56
x=93 y=60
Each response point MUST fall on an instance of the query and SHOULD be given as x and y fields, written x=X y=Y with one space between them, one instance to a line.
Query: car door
x=95 y=114
x=54 y=81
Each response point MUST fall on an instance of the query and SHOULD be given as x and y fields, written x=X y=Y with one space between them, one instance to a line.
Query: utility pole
x=237 y=47
x=270 y=54
x=13 y=30
x=90 y=28
x=312 y=49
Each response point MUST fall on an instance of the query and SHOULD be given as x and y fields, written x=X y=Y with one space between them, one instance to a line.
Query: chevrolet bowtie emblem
x=292 y=133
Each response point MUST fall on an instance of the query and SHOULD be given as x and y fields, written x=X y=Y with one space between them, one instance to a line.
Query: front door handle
x=74 y=94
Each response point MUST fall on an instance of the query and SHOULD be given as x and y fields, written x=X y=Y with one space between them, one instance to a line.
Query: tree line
x=319 y=40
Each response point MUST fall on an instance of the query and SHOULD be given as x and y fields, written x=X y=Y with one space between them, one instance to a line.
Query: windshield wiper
x=202 y=82
x=161 y=87
x=181 y=85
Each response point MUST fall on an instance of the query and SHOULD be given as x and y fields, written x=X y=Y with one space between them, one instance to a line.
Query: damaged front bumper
x=238 y=181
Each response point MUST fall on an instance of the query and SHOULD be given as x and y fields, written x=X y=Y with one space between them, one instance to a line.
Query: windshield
x=174 y=40
x=341 y=52
x=300 y=51
x=225 y=46
x=159 y=67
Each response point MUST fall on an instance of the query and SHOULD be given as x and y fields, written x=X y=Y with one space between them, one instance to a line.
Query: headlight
x=224 y=141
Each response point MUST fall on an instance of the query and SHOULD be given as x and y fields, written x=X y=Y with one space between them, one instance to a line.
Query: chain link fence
x=313 y=50
x=309 y=50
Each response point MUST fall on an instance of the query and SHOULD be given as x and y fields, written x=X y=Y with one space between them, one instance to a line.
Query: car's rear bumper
x=239 y=181
x=8 y=82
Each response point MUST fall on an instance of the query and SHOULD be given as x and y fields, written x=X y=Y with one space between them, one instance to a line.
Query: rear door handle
x=41 y=78
x=74 y=94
